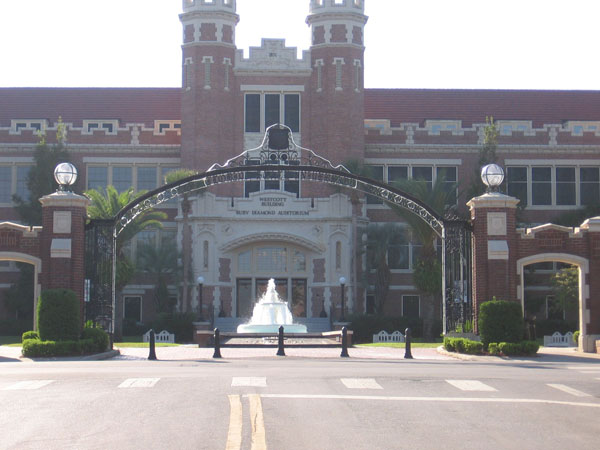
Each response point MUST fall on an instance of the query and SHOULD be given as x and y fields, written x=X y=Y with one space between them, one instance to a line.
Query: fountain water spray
x=270 y=312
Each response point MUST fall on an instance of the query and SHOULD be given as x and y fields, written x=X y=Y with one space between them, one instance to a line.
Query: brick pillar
x=494 y=249
x=63 y=242
x=589 y=311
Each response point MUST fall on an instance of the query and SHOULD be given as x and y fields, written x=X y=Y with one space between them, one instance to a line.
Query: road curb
x=100 y=356
x=442 y=351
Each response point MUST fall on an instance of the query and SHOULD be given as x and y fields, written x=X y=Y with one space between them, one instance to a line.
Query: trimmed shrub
x=364 y=326
x=576 y=337
x=500 y=321
x=98 y=336
x=30 y=335
x=493 y=348
x=180 y=324
x=526 y=348
x=58 y=315
x=449 y=344
x=33 y=348
x=463 y=345
x=473 y=347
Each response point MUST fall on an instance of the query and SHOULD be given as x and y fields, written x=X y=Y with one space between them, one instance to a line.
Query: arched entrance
x=581 y=263
x=280 y=158
x=37 y=269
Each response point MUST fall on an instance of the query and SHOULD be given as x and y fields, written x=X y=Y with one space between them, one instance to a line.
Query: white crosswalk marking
x=471 y=385
x=569 y=390
x=249 y=381
x=360 y=383
x=29 y=384
x=139 y=382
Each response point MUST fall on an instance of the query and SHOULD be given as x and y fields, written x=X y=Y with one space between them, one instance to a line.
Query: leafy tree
x=380 y=237
x=487 y=155
x=186 y=241
x=565 y=284
x=161 y=263
x=18 y=299
x=427 y=273
x=40 y=180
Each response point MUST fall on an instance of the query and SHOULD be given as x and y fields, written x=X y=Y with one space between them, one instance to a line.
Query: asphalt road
x=301 y=403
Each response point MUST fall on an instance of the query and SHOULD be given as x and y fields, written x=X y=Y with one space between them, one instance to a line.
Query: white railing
x=164 y=336
x=383 y=336
x=558 y=340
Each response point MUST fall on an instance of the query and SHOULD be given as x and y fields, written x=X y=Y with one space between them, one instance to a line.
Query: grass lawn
x=401 y=344
x=136 y=342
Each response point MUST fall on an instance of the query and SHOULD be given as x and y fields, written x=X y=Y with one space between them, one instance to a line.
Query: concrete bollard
x=344 y=353
x=280 y=349
x=152 y=345
x=407 y=337
x=217 y=339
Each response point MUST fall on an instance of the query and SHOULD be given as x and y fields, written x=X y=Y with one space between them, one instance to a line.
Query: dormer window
x=435 y=127
x=35 y=125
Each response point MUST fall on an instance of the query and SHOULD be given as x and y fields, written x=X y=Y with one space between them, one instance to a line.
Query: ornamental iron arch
x=279 y=153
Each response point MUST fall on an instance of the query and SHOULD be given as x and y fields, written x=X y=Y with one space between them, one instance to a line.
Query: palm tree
x=380 y=237
x=427 y=273
x=161 y=263
x=186 y=236
x=105 y=205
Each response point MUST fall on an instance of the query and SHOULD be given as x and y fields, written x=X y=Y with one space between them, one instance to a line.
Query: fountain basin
x=271 y=328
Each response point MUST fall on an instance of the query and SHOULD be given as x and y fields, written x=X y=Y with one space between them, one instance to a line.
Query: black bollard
x=344 y=353
x=152 y=345
x=217 y=338
x=407 y=353
x=280 y=349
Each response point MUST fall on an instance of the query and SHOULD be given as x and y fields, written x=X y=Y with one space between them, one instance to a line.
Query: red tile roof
x=472 y=106
x=129 y=105
x=137 y=105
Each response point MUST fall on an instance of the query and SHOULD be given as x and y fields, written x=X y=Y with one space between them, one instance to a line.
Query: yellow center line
x=234 y=436
x=259 y=441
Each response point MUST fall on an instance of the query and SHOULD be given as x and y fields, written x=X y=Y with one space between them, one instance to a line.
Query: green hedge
x=525 y=348
x=364 y=326
x=98 y=336
x=463 y=345
x=180 y=324
x=30 y=335
x=34 y=348
x=500 y=321
x=58 y=315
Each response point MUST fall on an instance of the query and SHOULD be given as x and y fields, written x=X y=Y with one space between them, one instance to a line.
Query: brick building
x=303 y=235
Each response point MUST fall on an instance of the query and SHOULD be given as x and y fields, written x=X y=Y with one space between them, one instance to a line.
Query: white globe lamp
x=65 y=175
x=492 y=176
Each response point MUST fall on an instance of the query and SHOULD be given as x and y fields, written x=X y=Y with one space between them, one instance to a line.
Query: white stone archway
x=37 y=264
x=584 y=289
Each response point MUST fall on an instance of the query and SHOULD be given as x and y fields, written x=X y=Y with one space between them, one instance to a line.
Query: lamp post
x=65 y=175
x=343 y=286
x=200 y=281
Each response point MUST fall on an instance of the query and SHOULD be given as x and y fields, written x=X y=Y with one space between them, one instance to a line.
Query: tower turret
x=207 y=132
x=337 y=54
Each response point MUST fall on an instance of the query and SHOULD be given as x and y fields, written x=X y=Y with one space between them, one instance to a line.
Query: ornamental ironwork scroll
x=99 y=273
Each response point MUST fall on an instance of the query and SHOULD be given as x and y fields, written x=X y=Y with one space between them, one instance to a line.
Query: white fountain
x=269 y=313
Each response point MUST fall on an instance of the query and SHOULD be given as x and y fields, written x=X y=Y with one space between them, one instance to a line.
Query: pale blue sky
x=510 y=44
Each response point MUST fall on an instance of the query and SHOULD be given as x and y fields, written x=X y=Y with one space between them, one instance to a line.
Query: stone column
x=493 y=216
x=63 y=242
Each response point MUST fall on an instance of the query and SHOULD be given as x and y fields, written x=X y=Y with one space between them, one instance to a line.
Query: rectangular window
x=292 y=112
x=410 y=306
x=22 y=189
x=132 y=308
x=424 y=175
x=565 y=186
x=271 y=259
x=252 y=113
x=5 y=184
x=397 y=173
x=541 y=186
x=516 y=180
x=252 y=183
x=122 y=178
x=398 y=253
x=272 y=181
x=376 y=172
x=589 y=185
x=146 y=178
x=292 y=180
x=97 y=177
x=448 y=177
x=271 y=109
